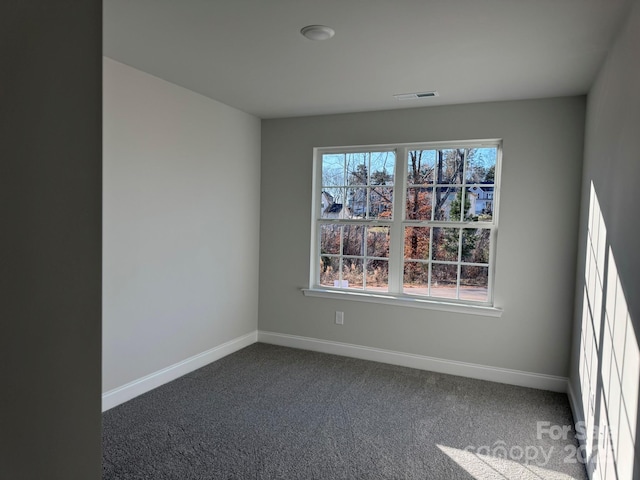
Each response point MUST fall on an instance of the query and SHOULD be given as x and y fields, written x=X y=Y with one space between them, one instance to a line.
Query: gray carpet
x=270 y=412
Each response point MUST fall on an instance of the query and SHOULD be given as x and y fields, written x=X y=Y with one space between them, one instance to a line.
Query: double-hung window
x=407 y=221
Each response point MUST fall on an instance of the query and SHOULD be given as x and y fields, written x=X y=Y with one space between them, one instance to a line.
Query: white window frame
x=395 y=295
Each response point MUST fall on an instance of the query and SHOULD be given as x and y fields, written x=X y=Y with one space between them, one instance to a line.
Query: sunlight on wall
x=487 y=467
x=609 y=359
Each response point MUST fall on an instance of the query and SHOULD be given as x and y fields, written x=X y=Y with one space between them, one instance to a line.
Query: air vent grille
x=415 y=96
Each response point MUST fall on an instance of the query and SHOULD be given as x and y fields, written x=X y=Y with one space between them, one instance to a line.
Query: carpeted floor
x=269 y=412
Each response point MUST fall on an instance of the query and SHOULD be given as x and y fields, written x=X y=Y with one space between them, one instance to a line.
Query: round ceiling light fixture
x=318 y=32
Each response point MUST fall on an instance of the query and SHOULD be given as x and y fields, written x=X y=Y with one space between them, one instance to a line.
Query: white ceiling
x=249 y=53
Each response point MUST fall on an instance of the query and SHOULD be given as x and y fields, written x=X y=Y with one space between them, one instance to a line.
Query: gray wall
x=606 y=360
x=50 y=195
x=535 y=265
x=181 y=220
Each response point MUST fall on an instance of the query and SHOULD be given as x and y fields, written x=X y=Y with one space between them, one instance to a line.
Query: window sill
x=404 y=301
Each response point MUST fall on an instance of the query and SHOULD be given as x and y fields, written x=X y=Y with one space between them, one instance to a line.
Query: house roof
x=334 y=208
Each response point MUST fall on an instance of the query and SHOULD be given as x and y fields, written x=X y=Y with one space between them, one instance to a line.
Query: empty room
x=338 y=239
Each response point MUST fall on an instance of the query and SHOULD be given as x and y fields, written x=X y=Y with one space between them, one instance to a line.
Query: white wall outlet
x=339 y=318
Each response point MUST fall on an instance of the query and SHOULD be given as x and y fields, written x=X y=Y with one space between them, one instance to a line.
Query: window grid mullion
x=340 y=263
x=365 y=233
x=367 y=190
x=459 y=269
x=396 y=241
x=430 y=261
x=463 y=213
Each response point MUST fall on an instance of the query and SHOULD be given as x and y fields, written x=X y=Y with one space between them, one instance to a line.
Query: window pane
x=332 y=170
x=474 y=283
x=352 y=272
x=475 y=245
x=421 y=167
x=382 y=169
x=381 y=202
x=481 y=165
x=419 y=201
x=443 y=280
x=330 y=239
x=480 y=203
x=357 y=168
x=445 y=244
x=378 y=242
x=329 y=271
x=378 y=275
x=416 y=243
x=449 y=165
x=416 y=278
x=357 y=202
x=331 y=203
x=448 y=202
x=352 y=240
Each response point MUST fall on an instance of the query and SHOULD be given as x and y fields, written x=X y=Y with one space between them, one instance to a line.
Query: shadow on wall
x=609 y=367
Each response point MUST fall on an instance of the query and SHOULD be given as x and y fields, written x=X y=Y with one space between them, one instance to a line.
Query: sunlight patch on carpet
x=502 y=467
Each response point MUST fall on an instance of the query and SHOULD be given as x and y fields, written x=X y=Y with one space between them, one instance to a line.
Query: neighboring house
x=358 y=202
x=331 y=209
x=481 y=200
x=378 y=202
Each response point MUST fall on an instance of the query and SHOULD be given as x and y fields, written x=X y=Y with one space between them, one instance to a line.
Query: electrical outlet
x=339 y=318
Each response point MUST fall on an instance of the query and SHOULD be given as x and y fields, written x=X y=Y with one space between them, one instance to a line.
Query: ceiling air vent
x=415 y=96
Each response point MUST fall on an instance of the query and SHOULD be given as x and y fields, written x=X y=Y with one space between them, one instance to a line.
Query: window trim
x=412 y=301
x=397 y=225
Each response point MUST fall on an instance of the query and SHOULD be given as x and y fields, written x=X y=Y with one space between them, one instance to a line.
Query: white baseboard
x=576 y=405
x=578 y=417
x=142 y=385
x=452 y=367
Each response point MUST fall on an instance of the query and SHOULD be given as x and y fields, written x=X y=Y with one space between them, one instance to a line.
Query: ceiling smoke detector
x=318 y=32
x=415 y=96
